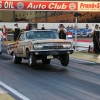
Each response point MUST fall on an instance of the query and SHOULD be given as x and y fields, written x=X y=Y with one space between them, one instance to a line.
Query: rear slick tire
x=17 y=60
x=32 y=61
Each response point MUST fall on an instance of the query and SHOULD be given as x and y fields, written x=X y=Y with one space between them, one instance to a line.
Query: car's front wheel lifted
x=64 y=59
x=46 y=61
x=16 y=60
x=32 y=61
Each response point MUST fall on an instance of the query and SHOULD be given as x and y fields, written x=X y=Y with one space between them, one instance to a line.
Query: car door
x=21 y=44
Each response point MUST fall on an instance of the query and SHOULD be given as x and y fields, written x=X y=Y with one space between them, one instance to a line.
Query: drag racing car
x=74 y=32
x=86 y=32
x=40 y=45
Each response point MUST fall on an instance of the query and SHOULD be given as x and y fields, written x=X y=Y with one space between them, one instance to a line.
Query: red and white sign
x=89 y=6
x=49 y=5
x=39 y=5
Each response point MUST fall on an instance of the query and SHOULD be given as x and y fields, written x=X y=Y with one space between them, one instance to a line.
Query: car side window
x=21 y=38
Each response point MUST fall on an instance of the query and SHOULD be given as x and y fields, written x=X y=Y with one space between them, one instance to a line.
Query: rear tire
x=64 y=60
x=17 y=60
x=46 y=61
x=89 y=35
x=27 y=53
x=32 y=61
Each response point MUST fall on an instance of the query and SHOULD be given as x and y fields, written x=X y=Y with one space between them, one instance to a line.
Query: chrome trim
x=53 y=45
x=53 y=50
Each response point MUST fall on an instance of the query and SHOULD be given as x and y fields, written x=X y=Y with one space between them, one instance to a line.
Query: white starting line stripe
x=14 y=91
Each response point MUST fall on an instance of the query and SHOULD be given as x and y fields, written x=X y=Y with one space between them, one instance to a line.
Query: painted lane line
x=14 y=91
x=83 y=60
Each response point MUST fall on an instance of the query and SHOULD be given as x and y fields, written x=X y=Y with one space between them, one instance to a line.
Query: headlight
x=38 y=46
x=35 y=46
x=67 y=45
x=64 y=45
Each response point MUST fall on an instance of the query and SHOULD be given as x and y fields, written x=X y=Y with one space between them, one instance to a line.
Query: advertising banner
x=89 y=6
x=39 y=5
x=86 y=6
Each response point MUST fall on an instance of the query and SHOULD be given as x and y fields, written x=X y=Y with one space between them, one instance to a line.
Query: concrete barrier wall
x=47 y=25
x=55 y=25
x=11 y=25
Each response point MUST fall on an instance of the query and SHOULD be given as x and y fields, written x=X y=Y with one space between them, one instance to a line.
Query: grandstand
x=68 y=17
x=65 y=17
x=51 y=17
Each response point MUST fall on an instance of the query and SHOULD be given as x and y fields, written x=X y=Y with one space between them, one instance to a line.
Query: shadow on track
x=45 y=67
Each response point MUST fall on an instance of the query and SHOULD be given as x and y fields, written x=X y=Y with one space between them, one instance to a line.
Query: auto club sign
x=50 y=5
x=38 y=5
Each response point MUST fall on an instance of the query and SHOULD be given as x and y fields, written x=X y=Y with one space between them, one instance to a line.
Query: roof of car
x=39 y=30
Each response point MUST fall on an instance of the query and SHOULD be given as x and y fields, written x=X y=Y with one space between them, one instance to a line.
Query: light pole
x=76 y=26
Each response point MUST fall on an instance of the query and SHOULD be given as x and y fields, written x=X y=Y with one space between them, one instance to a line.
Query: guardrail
x=83 y=46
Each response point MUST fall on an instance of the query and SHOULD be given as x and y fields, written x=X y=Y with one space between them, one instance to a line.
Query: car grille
x=53 y=46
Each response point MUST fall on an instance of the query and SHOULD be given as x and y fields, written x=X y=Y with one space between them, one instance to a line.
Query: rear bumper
x=52 y=52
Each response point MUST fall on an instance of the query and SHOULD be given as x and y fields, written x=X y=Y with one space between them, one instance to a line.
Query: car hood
x=51 y=41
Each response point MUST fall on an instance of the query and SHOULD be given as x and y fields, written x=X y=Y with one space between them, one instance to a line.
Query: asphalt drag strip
x=8 y=93
x=4 y=56
x=77 y=81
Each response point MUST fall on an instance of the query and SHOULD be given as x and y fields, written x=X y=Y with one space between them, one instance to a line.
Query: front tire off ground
x=17 y=60
x=32 y=61
x=64 y=60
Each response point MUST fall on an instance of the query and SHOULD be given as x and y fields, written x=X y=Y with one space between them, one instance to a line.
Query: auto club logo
x=72 y=6
x=20 y=5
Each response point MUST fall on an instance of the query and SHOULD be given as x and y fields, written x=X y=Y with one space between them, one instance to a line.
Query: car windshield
x=41 y=35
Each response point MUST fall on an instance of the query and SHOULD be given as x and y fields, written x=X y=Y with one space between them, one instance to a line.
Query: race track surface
x=80 y=80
